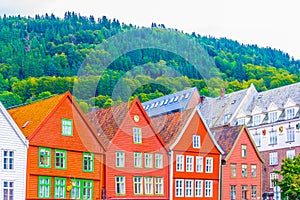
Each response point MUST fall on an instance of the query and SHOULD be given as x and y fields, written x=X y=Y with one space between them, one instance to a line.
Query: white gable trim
x=273 y=107
x=289 y=103
x=256 y=110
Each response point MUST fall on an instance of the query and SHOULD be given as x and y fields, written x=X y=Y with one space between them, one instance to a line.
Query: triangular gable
x=241 y=114
x=256 y=110
x=289 y=103
x=272 y=107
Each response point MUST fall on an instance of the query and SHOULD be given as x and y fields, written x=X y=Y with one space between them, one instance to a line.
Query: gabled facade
x=13 y=154
x=194 y=155
x=136 y=159
x=241 y=172
x=65 y=157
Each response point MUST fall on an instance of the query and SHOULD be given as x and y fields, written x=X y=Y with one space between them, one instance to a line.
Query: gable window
x=199 y=164
x=244 y=170
x=256 y=120
x=189 y=163
x=60 y=159
x=233 y=170
x=208 y=188
x=253 y=191
x=273 y=117
x=120 y=159
x=158 y=161
x=88 y=162
x=137 y=135
x=8 y=160
x=87 y=189
x=8 y=190
x=290 y=154
x=232 y=192
x=75 y=192
x=209 y=165
x=244 y=192
x=67 y=127
x=290 y=135
x=179 y=163
x=179 y=187
x=253 y=171
x=273 y=158
x=244 y=151
x=256 y=138
x=137 y=185
x=137 y=159
x=120 y=185
x=44 y=187
x=148 y=160
x=59 y=187
x=148 y=185
x=196 y=141
x=273 y=177
x=159 y=185
x=273 y=137
x=44 y=157
x=290 y=113
x=189 y=188
x=198 y=188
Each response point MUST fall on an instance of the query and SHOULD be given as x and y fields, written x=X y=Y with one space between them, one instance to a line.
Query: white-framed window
x=256 y=120
x=241 y=121
x=244 y=192
x=257 y=139
x=120 y=185
x=273 y=137
x=137 y=135
x=290 y=153
x=179 y=185
x=198 y=188
x=290 y=134
x=148 y=160
x=290 y=113
x=253 y=170
x=137 y=159
x=189 y=188
x=209 y=165
x=199 y=164
x=8 y=160
x=180 y=163
x=8 y=190
x=120 y=159
x=273 y=176
x=244 y=151
x=137 y=185
x=189 y=163
x=159 y=185
x=244 y=170
x=67 y=129
x=273 y=158
x=148 y=185
x=158 y=161
x=232 y=192
x=273 y=117
x=196 y=141
x=208 y=188
x=233 y=170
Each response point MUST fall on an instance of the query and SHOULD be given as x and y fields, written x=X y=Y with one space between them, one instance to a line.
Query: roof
x=169 y=103
x=228 y=136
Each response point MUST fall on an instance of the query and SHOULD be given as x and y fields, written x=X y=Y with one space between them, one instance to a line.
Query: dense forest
x=107 y=62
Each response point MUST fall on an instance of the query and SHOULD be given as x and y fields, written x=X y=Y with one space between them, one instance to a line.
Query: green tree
x=9 y=99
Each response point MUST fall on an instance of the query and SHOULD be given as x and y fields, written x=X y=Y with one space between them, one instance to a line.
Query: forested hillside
x=41 y=56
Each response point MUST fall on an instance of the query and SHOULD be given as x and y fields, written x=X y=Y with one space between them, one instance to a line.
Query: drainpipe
x=171 y=175
x=222 y=162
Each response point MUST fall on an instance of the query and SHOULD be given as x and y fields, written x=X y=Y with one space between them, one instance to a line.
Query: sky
x=266 y=23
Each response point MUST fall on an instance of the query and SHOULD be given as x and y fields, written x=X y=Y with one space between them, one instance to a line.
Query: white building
x=13 y=158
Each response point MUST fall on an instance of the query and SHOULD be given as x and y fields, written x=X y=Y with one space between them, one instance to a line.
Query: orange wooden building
x=136 y=157
x=241 y=175
x=194 y=155
x=65 y=156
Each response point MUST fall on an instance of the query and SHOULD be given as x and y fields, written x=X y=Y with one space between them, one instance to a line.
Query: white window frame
x=158 y=161
x=253 y=170
x=244 y=150
x=290 y=134
x=233 y=192
x=199 y=163
x=179 y=188
x=244 y=170
x=256 y=120
x=290 y=113
x=209 y=163
x=138 y=160
x=189 y=164
x=273 y=137
x=137 y=185
x=198 y=188
x=120 y=183
x=196 y=141
x=10 y=190
x=148 y=181
x=257 y=139
x=179 y=163
x=120 y=159
x=208 y=188
x=159 y=185
x=273 y=117
x=241 y=121
x=291 y=153
x=273 y=176
x=137 y=135
x=189 y=188
x=148 y=160
x=273 y=158
x=8 y=160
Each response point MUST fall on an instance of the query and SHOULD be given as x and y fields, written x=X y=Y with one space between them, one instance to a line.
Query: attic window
x=233 y=102
x=187 y=95
x=172 y=99
x=156 y=104
x=167 y=100
x=25 y=124
x=259 y=96
x=162 y=102
x=176 y=98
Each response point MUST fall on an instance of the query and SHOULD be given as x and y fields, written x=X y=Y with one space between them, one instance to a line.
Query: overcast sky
x=273 y=23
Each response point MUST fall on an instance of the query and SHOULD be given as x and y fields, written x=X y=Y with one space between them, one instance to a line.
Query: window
x=273 y=137
x=196 y=141
x=273 y=158
x=256 y=120
x=137 y=135
x=189 y=186
x=179 y=163
x=290 y=113
x=44 y=187
x=244 y=192
x=137 y=185
x=158 y=161
x=148 y=160
x=233 y=170
x=60 y=159
x=253 y=191
x=67 y=127
x=290 y=154
x=8 y=190
x=244 y=170
x=88 y=162
x=148 y=185
x=244 y=151
x=159 y=186
x=290 y=135
x=241 y=121
x=273 y=176
x=253 y=171
x=257 y=139
x=8 y=160
x=273 y=117
x=199 y=164
x=59 y=187
x=209 y=165
x=189 y=163
x=75 y=192
x=87 y=189
x=179 y=188
x=137 y=159
x=120 y=159
x=232 y=192
x=120 y=185
x=44 y=157
x=198 y=188
x=208 y=188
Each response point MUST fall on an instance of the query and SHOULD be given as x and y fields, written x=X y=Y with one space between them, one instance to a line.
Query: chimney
x=222 y=92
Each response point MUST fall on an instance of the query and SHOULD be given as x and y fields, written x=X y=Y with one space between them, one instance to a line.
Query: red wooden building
x=194 y=155
x=65 y=156
x=241 y=174
x=136 y=157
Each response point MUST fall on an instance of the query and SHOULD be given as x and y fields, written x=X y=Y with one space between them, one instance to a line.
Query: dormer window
x=256 y=120
x=273 y=117
x=290 y=113
x=241 y=121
